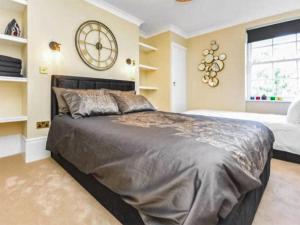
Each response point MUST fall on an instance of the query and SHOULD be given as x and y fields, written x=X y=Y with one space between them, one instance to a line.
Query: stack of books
x=10 y=67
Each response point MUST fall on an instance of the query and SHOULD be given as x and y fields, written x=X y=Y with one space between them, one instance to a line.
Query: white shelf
x=13 y=79
x=13 y=5
x=147 y=48
x=12 y=119
x=147 y=88
x=147 y=68
x=9 y=38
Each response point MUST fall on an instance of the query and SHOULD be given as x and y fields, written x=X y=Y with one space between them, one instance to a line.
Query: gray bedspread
x=174 y=169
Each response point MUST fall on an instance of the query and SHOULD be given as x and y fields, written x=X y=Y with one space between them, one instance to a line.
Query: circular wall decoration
x=96 y=45
x=211 y=65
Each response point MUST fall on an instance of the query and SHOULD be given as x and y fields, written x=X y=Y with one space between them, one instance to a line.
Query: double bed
x=163 y=168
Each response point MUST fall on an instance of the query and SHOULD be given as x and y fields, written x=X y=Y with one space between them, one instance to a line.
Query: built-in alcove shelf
x=147 y=48
x=13 y=79
x=13 y=90
x=148 y=88
x=13 y=39
x=12 y=119
x=147 y=68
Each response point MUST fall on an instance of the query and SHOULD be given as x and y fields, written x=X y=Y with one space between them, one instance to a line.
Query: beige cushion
x=62 y=105
x=116 y=92
x=90 y=103
x=133 y=103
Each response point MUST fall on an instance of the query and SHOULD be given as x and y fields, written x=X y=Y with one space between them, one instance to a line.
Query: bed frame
x=242 y=214
x=286 y=156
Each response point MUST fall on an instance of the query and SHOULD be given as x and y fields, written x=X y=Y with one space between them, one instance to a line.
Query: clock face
x=96 y=45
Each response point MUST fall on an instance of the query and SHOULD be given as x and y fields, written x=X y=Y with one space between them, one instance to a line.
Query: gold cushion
x=133 y=103
x=90 y=103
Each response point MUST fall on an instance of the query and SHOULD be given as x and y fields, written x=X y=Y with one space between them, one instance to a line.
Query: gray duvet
x=174 y=169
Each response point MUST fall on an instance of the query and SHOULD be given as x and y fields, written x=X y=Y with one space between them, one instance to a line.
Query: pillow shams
x=117 y=92
x=62 y=105
x=133 y=103
x=90 y=103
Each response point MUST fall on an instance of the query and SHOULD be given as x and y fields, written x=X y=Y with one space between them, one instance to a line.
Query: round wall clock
x=96 y=45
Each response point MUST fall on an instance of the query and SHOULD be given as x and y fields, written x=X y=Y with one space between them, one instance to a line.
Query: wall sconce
x=54 y=46
x=130 y=62
x=131 y=68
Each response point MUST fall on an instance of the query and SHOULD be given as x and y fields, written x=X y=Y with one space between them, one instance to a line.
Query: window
x=273 y=65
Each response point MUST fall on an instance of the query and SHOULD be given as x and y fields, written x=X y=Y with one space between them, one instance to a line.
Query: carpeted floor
x=42 y=193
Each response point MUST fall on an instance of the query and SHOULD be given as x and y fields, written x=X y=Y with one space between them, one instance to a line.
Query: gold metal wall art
x=211 y=65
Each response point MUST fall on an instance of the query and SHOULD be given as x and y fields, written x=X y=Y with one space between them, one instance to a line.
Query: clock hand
x=90 y=44
x=99 y=39
x=99 y=56
x=108 y=48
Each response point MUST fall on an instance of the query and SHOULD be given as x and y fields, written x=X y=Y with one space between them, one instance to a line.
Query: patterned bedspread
x=174 y=169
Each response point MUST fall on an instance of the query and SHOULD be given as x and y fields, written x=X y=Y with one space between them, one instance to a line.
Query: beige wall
x=58 y=20
x=230 y=95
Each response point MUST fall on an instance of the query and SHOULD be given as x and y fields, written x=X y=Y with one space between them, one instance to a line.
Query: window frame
x=250 y=64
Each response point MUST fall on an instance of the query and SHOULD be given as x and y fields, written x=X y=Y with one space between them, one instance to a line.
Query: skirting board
x=11 y=145
x=35 y=149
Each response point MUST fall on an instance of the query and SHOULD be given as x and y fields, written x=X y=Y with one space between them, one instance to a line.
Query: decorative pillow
x=133 y=103
x=117 y=92
x=293 y=115
x=62 y=105
x=90 y=103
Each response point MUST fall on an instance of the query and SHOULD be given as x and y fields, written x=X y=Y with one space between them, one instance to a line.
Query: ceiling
x=199 y=16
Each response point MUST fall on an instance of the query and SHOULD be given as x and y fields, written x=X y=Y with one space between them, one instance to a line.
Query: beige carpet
x=42 y=193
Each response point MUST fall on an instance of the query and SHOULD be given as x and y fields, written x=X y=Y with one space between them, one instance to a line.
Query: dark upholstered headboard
x=85 y=83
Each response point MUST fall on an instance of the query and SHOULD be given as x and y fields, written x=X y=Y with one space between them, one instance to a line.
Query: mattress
x=286 y=134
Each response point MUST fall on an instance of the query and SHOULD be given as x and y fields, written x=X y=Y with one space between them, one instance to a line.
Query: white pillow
x=293 y=115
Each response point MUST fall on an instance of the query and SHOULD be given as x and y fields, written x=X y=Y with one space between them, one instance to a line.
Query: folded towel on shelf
x=10 y=69
x=10 y=64
x=7 y=74
x=4 y=58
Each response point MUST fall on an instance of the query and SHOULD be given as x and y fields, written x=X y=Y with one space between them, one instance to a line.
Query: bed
x=70 y=143
x=287 y=142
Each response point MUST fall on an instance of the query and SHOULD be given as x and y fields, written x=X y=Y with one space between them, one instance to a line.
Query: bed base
x=242 y=214
x=286 y=156
x=125 y=213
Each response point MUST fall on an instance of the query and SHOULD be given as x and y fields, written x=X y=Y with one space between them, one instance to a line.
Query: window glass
x=286 y=87
x=285 y=51
x=261 y=54
x=262 y=86
x=285 y=70
x=262 y=71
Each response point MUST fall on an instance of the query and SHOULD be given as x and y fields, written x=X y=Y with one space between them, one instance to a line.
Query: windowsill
x=268 y=101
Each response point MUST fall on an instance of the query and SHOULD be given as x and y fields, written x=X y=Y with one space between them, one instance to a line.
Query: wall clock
x=96 y=45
